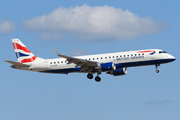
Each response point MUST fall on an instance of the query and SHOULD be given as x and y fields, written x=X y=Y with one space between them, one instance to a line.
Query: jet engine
x=107 y=66
x=118 y=72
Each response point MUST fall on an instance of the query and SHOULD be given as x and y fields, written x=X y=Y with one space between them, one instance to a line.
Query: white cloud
x=6 y=26
x=93 y=23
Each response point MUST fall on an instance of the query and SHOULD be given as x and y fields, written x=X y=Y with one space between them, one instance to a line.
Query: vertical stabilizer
x=23 y=54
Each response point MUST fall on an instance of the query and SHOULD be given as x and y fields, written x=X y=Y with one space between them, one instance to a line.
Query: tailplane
x=23 y=54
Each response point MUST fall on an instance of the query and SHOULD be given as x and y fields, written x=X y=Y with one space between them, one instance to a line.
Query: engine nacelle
x=107 y=66
x=118 y=72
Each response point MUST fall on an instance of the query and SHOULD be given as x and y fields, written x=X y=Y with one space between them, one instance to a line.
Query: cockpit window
x=162 y=52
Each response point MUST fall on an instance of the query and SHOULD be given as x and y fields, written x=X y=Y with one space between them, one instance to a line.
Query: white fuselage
x=121 y=59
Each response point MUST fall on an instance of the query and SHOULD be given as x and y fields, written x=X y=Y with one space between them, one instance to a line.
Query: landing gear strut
x=90 y=76
x=157 y=65
x=97 y=78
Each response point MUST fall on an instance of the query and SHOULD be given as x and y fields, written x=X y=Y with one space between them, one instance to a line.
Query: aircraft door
x=152 y=56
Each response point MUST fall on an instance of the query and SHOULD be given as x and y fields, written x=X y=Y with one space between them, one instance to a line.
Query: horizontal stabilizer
x=17 y=64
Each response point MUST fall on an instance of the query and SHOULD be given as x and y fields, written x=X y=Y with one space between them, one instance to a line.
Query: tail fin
x=22 y=52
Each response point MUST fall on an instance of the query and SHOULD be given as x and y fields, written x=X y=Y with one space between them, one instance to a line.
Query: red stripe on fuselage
x=146 y=51
x=28 y=60
x=17 y=46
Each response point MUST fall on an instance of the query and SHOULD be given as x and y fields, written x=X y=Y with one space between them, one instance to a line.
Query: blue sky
x=142 y=94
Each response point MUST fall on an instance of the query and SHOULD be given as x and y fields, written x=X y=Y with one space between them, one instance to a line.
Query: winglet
x=60 y=55
x=56 y=52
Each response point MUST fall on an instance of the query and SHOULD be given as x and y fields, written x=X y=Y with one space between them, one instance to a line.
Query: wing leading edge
x=78 y=61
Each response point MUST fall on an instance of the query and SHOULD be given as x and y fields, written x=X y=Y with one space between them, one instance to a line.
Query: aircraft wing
x=17 y=64
x=77 y=61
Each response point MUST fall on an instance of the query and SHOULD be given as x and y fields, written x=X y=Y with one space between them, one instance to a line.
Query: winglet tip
x=56 y=51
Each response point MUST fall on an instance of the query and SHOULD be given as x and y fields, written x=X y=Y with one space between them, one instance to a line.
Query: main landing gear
x=97 y=78
x=90 y=76
x=157 y=65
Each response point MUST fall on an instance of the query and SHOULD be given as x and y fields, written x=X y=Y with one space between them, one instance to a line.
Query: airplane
x=112 y=63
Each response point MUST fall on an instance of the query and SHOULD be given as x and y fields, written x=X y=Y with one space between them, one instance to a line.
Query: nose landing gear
x=157 y=65
x=157 y=71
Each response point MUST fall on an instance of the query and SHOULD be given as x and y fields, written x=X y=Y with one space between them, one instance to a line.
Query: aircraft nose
x=172 y=58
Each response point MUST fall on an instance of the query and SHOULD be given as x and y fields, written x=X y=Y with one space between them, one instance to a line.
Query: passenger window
x=61 y=61
x=135 y=54
x=93 y=58
x=89 y=59
x=58 y=61
x=109 y=56
x=117 y=56
x=143 y=54
x=124 y=55
x=139 y=54
x=97 y=58
x=120 y=56
x=50 y=62
x=128 y=55
x=101 y=57
x=113 y=56
x=54 y=62
x=105 y=57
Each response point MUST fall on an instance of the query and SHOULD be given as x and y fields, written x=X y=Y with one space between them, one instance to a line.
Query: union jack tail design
x=22 y=52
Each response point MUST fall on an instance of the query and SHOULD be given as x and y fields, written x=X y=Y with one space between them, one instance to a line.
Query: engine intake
x=107 y=66
x=118 y=72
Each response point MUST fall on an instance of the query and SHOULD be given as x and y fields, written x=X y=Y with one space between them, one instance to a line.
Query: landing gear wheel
x=97 y=79
x=157 y=65
x=90 y=76
x=157 y=71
